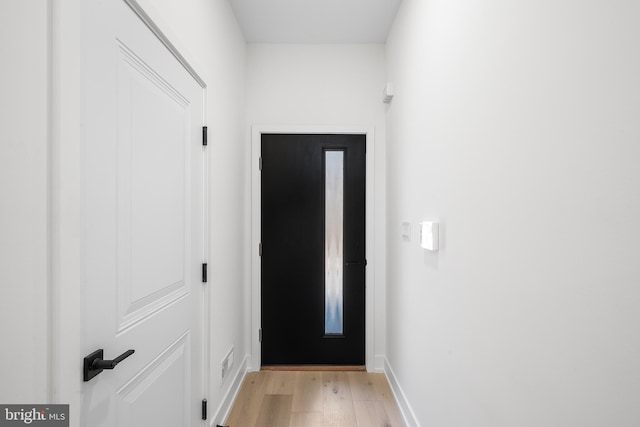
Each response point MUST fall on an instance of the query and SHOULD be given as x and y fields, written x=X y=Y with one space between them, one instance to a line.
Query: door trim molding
x=370 y=302
x=166 y=41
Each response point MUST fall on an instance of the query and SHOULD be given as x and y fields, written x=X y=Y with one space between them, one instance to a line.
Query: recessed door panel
x=137 y=401
x=153 y=176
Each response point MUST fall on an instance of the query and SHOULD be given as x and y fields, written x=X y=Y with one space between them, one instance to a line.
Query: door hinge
x=204 y=136
x=260 y=334
x=260 y=248
x=204 y=272
x=204 y=409
x=260 y=163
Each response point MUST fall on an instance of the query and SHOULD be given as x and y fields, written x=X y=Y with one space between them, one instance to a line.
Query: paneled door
x=143 y=214
x=313 y=249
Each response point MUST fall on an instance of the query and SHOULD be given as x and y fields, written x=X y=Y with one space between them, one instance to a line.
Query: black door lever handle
x=94 y=363
x=110 y=364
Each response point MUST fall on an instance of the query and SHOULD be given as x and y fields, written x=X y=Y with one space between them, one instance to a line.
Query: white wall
x=301 y=84
x=516 y=125
x=24 y=228
x=326 y=85
x=207 y=32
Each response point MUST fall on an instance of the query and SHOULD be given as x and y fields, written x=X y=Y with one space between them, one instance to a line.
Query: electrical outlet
x=230 y=360
x=224 y=369
x=227 y=363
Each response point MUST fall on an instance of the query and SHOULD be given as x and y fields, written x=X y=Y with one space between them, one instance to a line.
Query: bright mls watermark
x=36 y=415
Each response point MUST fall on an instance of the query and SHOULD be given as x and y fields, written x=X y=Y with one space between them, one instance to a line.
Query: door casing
x=256 y=136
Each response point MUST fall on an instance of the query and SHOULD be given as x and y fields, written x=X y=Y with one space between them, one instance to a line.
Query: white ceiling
x=315 y=21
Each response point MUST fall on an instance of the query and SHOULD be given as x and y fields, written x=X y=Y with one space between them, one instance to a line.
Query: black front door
x=313 y=249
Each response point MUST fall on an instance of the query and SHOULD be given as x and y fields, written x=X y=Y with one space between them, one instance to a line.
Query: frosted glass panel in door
x=334 y=238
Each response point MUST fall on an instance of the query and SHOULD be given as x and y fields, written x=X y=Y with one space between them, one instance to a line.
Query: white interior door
x=143 y=238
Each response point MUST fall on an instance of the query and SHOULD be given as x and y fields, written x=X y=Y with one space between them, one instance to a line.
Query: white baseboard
x=379 y=364
x=227 y=402
x=408 y=415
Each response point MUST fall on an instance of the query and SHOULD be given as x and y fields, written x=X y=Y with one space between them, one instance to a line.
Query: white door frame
x=370 y=282
x=65 y=165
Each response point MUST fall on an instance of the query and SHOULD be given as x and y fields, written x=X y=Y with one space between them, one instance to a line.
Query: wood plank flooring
x=315 y=399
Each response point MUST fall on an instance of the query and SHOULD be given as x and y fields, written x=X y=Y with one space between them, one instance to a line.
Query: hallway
x=513 y=125
x=310 y=399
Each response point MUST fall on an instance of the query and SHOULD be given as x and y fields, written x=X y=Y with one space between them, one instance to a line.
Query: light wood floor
x=315 y=399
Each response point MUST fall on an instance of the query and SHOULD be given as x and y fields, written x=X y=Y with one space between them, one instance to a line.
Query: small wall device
x=429 y=235
x=406 y=230
x=387 y=93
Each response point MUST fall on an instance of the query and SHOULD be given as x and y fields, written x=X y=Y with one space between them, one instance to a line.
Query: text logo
x=34 y=415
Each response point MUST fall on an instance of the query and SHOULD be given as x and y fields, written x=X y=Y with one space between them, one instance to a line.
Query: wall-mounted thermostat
x=429 y=235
